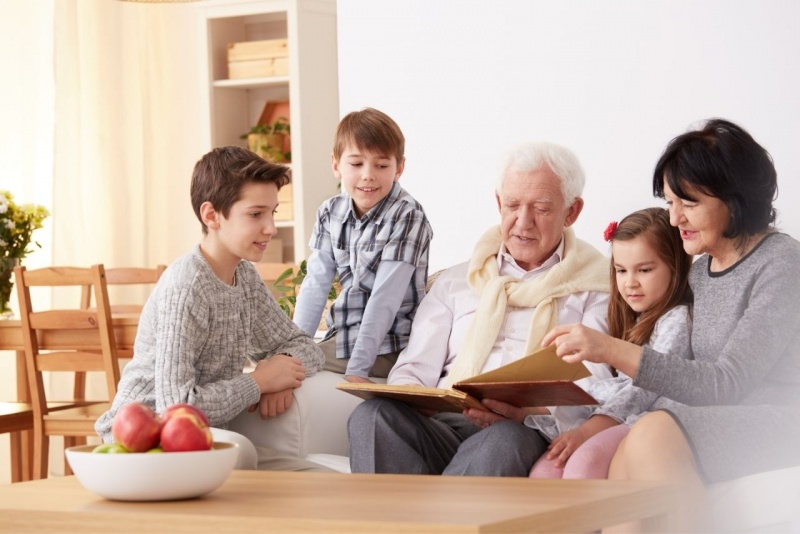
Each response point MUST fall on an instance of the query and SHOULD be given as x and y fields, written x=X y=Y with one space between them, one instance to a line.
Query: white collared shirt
x=445 y=315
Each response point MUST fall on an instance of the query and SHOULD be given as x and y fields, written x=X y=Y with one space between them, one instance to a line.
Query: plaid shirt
x=394 y=230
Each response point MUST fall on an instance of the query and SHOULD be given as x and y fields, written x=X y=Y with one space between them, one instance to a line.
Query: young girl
x=649 y=291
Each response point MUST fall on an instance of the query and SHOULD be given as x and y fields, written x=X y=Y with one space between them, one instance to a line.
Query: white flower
x=17 y=224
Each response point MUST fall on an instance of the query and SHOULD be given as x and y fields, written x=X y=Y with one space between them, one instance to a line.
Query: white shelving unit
x=311 y=87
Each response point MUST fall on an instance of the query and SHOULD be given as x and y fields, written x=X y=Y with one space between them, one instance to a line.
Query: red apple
x=136 y=427
x=185 y=431
x=184 y=407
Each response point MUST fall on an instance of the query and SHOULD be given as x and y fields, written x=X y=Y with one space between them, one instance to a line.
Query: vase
x=6 y=272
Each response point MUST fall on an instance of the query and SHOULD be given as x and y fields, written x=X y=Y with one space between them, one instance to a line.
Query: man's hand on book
x=500 y=411
x=482 y=419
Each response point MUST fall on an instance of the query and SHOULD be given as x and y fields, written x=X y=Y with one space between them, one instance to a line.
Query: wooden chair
x=120 y=276
x=116 y=276
x=89 y=346
x=16 y=417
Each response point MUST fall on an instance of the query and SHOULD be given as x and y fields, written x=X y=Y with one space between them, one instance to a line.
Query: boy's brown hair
x=219 y=176
x=369 y=129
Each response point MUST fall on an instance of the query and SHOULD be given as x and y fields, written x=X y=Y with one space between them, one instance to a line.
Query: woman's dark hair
x=653 y=225
x=722 y=160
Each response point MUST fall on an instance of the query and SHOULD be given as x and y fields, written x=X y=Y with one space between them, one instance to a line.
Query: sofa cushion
x=336 y=462
x=315 y=423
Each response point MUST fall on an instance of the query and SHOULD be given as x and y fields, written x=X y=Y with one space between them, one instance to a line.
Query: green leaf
x=288 y=283
x=283 y=276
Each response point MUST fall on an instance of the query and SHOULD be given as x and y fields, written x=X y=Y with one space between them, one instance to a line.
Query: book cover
x=539 y=379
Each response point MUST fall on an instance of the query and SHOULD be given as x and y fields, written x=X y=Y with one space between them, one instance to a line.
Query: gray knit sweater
x=745 y=337
x=196 y=334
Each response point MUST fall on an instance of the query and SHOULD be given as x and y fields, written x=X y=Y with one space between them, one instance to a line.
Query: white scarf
x=582 y=268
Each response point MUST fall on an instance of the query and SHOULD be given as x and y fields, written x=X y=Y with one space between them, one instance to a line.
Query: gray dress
x=740 y=394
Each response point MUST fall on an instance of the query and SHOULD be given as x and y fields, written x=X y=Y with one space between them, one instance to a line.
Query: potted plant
x=17 y=224
x=269 y=140
x=288 y=285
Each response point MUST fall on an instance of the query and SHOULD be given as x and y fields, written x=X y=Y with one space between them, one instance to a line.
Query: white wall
x=613 y=80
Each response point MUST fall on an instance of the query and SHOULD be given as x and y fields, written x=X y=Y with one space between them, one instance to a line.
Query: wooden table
x=273 y=501
x=125 y=326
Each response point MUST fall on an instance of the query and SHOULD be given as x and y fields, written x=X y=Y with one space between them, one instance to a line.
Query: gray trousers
x=388 y=436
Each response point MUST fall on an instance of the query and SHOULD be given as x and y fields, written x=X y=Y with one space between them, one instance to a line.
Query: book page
x=542 y=365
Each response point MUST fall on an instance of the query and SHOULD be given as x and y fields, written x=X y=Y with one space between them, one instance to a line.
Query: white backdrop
x=612 y=80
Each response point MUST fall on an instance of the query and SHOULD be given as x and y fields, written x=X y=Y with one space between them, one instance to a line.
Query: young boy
x=210 y=312
x=376 y=237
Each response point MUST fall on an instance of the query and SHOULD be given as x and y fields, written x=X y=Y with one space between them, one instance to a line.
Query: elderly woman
x=740 y=395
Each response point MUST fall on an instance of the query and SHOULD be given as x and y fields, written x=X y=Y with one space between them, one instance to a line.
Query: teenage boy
x=210 y=312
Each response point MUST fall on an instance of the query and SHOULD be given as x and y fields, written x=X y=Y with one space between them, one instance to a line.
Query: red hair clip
x=611 y=229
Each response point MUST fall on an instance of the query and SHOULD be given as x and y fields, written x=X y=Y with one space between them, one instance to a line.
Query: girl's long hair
x=653 y=224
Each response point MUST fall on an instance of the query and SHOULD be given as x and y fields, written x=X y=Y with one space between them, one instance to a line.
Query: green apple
x=156 y=450
x=110 y=448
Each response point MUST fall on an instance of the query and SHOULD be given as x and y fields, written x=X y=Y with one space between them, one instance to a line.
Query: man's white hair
x=533 y=156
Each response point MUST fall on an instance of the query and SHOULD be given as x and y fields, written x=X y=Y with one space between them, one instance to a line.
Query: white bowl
x=146 y=476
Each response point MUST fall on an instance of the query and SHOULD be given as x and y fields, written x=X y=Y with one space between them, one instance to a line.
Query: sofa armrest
x=315 y=423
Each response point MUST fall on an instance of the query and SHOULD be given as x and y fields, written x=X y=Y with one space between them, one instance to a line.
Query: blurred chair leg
x=15 y=445
x=26 y=448
x=41 y=449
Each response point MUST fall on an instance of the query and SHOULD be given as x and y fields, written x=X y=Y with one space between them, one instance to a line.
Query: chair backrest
x=125 y=276
x=85 y=337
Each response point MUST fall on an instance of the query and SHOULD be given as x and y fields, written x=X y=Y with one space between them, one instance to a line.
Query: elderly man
x=524 y=277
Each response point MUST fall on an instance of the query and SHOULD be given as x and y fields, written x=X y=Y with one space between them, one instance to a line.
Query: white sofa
x=315 y=428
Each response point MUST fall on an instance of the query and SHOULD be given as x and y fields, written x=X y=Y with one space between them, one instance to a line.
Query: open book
x=539 y=379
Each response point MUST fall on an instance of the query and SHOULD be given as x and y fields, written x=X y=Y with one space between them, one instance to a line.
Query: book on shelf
x=539 y=379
